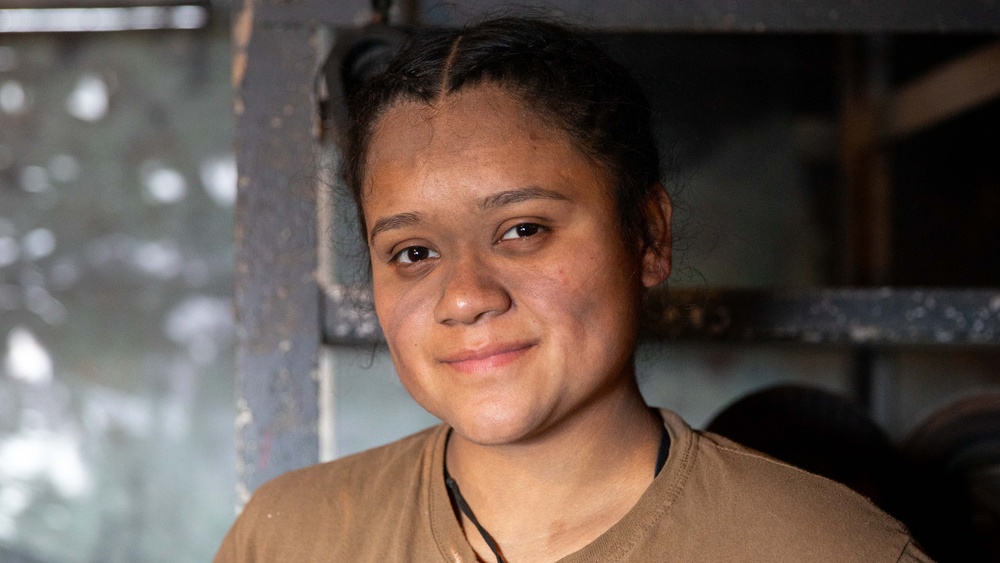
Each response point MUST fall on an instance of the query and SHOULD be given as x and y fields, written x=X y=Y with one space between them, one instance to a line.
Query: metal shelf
x=864 y=317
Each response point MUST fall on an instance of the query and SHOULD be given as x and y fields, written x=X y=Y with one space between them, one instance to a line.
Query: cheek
x=404 y=312
x=402 y=335
x=405 y=321
x=581 y=292
x=391 y=312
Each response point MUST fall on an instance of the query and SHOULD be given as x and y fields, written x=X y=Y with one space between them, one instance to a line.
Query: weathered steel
x=796 y=16
x=339 y=13
x=877 y=317
x=277 y=296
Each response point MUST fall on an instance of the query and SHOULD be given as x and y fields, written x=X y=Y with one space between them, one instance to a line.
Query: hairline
x=517 y=94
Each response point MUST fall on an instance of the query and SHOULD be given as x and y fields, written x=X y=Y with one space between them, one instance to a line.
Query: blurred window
x=117 y=186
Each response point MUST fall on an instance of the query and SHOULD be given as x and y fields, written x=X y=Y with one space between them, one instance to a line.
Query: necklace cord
x=456 y=495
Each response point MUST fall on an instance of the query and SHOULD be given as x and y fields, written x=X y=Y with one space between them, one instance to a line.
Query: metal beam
x=866 y=195
x=277 y=296
x=869 y=317
x=783 y=16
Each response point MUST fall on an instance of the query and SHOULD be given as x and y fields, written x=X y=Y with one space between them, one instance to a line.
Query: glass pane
x=117 y=185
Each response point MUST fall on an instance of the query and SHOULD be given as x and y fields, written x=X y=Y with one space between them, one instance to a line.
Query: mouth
x=487 y=358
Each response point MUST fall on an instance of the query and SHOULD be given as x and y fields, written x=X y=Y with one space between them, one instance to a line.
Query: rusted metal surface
x=277 y=298
x=871 y=318
x=877 y=317
x=839 y=16
x=340 y=13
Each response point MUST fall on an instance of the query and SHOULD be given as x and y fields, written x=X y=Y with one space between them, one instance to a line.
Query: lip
x=487 y=358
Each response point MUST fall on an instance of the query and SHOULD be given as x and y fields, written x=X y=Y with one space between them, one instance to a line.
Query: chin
x=495 y=425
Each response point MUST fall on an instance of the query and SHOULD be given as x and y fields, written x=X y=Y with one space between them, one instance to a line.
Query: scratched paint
x=876 y=317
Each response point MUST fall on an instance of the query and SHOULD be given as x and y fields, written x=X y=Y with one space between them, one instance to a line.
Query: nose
x=470 y=292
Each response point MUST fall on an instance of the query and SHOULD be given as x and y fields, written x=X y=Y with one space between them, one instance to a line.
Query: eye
x=522 y=230
x=414 y=254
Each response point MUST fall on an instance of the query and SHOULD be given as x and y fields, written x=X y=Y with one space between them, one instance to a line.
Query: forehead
x=484 y=113
x=482 y=128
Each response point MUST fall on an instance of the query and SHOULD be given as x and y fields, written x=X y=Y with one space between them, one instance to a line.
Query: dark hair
x=556 y=72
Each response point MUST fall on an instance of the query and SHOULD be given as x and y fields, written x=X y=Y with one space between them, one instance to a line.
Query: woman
x=507 y=184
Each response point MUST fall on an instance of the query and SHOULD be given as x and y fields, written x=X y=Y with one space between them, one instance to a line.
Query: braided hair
x=562 y=76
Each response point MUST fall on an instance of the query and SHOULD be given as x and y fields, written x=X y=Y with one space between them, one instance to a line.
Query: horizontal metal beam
x=875 y=317
x=870 y=317
x=785 y=16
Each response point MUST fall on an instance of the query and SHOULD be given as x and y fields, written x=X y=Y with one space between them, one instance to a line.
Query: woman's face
x=505 y=291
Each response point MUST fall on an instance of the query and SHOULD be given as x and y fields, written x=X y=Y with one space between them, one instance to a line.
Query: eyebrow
x=519 y=195
x=397 y=221
x=501 y=199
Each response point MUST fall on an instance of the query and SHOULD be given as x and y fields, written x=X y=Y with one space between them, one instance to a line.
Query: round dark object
x=816 y=430
x=954 y=458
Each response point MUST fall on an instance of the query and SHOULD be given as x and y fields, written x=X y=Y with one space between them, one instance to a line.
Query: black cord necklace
x=456 y=495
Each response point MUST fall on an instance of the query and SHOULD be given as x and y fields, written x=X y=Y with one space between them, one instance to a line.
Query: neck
x=551 y=494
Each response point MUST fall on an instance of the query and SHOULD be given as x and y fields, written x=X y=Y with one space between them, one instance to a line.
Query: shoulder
x=779 y=508
x=341 y=499
x=343 y=486
x=382 y=465
x=754 y=475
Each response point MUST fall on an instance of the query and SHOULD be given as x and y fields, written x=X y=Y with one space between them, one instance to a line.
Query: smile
x=487 y=358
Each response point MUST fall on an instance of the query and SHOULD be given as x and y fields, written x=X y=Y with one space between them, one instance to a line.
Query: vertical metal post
x=866 y=241
x=865 y=257
x=277 y=298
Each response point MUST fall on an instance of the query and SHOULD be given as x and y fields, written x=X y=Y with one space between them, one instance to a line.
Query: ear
x=657 y=253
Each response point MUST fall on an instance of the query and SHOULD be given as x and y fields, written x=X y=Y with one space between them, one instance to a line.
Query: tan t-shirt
x=714 y=500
